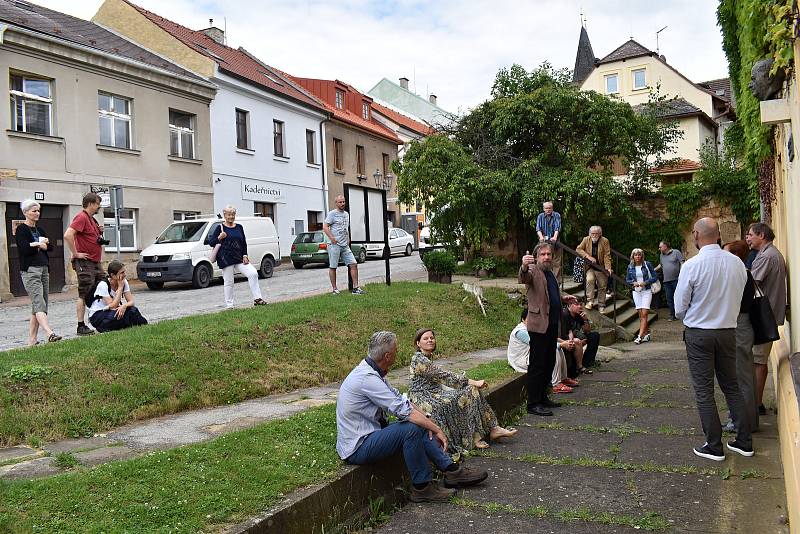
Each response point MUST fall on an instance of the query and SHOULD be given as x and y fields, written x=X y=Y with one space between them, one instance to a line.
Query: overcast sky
x=452 y=48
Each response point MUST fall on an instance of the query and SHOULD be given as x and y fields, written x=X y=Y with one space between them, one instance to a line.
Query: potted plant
x=440 y=265
x=485 y=266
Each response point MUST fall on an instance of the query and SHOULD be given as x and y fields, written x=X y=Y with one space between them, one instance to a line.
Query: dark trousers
x=590 y=351
x=669 y=291
x=710 y=353
x=106 y=320
x=418 y=450
x=540 y=366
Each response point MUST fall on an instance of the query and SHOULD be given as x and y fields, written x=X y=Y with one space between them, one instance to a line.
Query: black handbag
x=765 y=329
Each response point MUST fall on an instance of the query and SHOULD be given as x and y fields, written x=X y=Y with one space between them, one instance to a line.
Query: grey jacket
x=769 y=270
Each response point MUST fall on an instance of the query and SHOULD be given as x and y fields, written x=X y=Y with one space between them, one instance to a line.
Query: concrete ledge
x=319 y=508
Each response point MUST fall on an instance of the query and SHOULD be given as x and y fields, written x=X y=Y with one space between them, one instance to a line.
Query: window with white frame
x=115 y=120
x=242 y=129
x=180 y=215
x=127 y=229
x=277 y=138
x=612 y=84
x=31 y=104
x=639 y=79
x=311 y=146
x=339 y=99
x=365 y=110
x=181 y=134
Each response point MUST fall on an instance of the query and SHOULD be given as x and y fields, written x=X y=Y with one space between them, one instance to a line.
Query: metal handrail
x=612 y=275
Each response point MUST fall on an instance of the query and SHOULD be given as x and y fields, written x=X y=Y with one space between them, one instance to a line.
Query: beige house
x=632 y=72
x=88 y=110
x=359 y=148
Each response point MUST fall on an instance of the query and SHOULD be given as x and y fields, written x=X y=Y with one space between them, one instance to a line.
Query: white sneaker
x=602 y=309
x=646 y=338
x=638 y=340
x=588 y=306
x=335 y=291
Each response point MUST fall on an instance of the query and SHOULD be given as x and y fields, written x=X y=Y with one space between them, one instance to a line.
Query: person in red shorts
x=84 y=238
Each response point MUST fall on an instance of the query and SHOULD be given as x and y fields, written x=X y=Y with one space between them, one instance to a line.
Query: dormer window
x=365 y=110
x=339 y=99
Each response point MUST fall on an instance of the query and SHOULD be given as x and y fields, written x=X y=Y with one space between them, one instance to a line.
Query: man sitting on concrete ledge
x=364 y=437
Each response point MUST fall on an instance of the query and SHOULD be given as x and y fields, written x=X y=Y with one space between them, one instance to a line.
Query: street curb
x=345 y=498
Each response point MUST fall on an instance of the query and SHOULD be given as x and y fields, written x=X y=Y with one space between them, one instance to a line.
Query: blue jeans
x=418 y=450
x=669 y=289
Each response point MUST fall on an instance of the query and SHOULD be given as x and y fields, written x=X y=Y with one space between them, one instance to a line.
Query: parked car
x=400 y=242
x=312 y=247
x=425 y=237
x=180 y=254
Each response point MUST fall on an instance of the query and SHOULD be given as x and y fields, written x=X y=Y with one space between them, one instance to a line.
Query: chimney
x=663 y=58
x=404 y=83
x=217 y=35
x=432 y=99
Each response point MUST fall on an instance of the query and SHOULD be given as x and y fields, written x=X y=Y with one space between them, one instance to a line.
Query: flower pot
x=439 y=278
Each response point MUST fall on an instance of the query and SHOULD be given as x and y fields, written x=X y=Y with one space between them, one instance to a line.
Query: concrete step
x=632 y=326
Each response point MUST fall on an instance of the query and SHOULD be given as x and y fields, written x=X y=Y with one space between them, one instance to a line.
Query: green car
x=312 y=247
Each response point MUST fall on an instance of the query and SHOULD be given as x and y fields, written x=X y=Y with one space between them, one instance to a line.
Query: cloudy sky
x=452 y=48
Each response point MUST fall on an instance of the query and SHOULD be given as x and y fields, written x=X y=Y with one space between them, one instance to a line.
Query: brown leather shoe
x=433 y=492
x=464 y=476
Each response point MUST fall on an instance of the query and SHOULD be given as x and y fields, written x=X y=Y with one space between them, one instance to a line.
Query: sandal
x=504 y=433
x=480 y=444
x=259 y=302
x=571 y=382
x=586 y=371
x=53 y=338
x=562 y=388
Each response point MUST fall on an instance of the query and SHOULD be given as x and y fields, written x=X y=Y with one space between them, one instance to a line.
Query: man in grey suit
x=769 y=272
x=707 y=300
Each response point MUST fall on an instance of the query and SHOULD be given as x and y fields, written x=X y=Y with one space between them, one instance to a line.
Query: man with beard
x=597 y=251
x=707 y=300
x=544 y=313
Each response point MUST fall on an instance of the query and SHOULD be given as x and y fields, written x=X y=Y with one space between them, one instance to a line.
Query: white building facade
x=267 y=158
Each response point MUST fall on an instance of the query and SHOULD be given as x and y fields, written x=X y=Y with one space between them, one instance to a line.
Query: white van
x=180 y=254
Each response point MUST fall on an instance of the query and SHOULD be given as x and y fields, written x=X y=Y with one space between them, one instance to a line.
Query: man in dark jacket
x=582 y=343
x=544 y=313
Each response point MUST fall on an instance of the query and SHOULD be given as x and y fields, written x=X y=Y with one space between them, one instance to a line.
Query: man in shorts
x=83 y=237
x=336 y=227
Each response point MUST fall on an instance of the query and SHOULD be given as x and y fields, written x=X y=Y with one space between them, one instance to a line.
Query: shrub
x=440 y=261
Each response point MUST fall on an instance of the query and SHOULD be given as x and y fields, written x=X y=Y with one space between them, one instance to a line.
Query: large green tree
x=486 y=174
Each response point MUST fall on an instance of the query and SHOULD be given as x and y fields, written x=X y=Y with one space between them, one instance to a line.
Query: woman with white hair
x=33 y=246
x=232 y=255
x=641 y=276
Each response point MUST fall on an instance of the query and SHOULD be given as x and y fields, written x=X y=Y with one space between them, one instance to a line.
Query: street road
x=180 y=300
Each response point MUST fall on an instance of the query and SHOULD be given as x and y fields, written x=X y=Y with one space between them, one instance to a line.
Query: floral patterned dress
x=458 y=408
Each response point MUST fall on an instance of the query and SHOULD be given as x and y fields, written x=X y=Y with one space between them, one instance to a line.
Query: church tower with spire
x=584 y=59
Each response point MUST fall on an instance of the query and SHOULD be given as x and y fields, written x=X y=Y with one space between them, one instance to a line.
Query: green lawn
x=190 y=489
x=100 y=382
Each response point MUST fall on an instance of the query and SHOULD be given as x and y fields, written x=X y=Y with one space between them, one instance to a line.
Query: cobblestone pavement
x=617 y=457
x=180 y=300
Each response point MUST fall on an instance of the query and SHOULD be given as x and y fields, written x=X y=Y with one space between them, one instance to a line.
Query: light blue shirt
x=339 y=221
x=363 y=399
x=710 y=287
x=549 y=225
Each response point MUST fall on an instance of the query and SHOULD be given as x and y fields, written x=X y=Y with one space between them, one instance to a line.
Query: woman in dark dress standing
x=33 y=246
x=232 y=255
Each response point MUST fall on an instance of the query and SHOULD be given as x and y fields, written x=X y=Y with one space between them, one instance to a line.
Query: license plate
x=154 y=274
x=305 y=255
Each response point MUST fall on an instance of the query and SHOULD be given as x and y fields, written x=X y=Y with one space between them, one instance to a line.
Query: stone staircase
x=627 y=320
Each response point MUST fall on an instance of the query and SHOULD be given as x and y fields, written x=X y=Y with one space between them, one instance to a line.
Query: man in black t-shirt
x=578 y=340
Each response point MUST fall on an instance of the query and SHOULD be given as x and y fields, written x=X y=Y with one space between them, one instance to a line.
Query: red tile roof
x=677 y=166
x=236 y=62
x=402 y=120
x=325 y=91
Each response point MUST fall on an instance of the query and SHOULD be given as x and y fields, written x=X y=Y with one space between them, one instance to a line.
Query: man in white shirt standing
x=707 y=300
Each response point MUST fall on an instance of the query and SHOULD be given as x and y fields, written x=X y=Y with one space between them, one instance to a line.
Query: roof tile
x=627 y=50
x=399 y=118
x=238 y=62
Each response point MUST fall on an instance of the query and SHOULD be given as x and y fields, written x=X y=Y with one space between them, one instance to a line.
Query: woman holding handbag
x=643 y=279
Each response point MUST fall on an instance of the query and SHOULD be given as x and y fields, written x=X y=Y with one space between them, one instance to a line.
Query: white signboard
x=262 y=192
x=358 y=227
x=376 y=226
x=105 y=194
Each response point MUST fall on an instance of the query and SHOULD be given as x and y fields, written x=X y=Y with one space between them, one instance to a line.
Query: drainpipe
x=322 y=166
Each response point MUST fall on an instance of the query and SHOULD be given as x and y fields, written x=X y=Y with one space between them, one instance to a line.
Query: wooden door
x=51 y=221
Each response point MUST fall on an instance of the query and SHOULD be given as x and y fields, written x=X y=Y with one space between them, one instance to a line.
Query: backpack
x=91 y=297
x=577 y=270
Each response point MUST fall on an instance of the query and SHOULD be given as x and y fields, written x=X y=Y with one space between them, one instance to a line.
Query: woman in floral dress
x=453 y=401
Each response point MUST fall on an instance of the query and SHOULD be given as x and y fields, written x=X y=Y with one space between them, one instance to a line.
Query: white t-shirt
x=103 y=290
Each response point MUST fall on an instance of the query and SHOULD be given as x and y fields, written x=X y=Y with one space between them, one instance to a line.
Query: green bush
x=440 y=261
x=485 y=264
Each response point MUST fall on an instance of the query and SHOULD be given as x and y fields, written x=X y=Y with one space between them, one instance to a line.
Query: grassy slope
x=101 y=382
